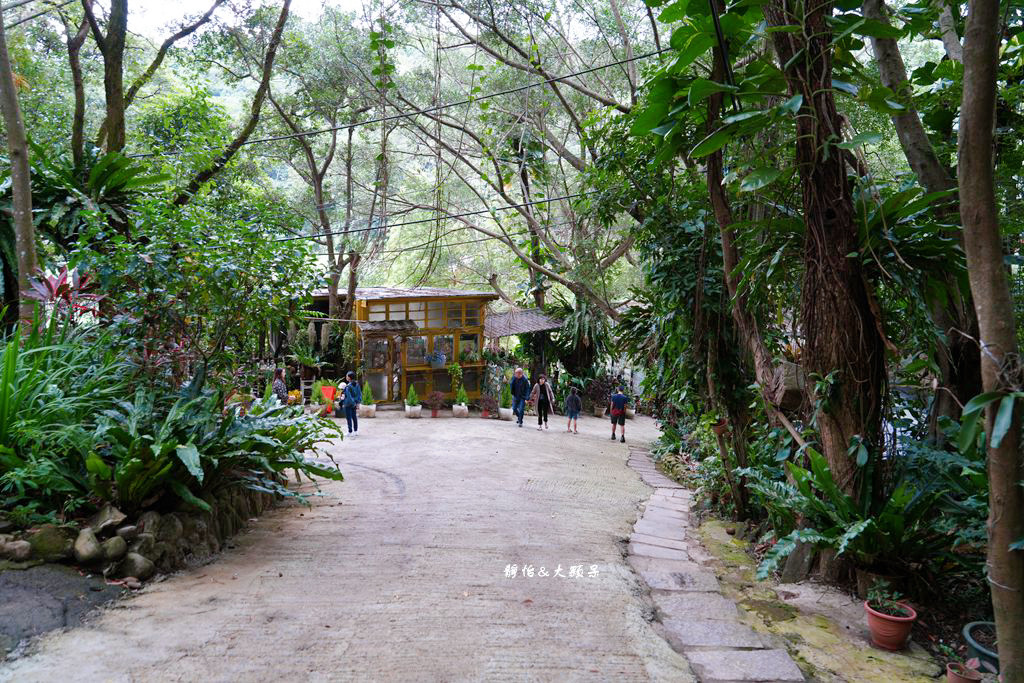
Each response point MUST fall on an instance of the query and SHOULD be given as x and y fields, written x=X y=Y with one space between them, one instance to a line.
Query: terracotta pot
x=720 y=427
x=599 y=411
x=958 y=673
x=889 y=632
x=433 y=412
x=485 y=413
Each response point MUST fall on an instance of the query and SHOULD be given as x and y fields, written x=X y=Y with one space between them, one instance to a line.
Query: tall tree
x=21 y=181
x=1000 y=363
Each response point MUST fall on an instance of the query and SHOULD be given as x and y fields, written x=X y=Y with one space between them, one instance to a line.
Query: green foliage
x=368 y=399
x=506 y=396
x=318 y=395
x=411 y=399
x=460 y=395
x=882 y=598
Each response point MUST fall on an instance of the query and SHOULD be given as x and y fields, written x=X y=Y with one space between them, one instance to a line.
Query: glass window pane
x=418 y=380
x=435 y=314
x=469 y=348
x=444 y=343
x=376 y=353
x=454 y=314
x=471 y=380
x=416 y=350
x=378 y=315
x=472 y=314
x=379 y=382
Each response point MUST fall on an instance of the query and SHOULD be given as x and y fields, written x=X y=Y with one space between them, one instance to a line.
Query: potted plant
x=889 y=619
x=368 y=408
x=435 y=399
x=320 y=398
x=505 y=411
x=487 y=406
x=962 y=673
x=436 y=360
x=460 y=409
x=412 y=403
x=981 y=643
x=295 y=397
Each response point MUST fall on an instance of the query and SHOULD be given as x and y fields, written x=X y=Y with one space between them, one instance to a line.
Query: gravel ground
x=399 y=573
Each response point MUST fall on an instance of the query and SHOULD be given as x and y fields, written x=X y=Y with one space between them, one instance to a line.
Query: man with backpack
x=617 y=407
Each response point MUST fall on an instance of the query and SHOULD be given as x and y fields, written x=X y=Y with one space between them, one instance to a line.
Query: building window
x=471 y=380
x=442 y=382
x=435 y=314
x=416 y=351
x=376 y=353
x=469 y=348
x=472 y=314
x=418 y=380
x=378 y=312
x=445 y=343
x=417 y=313
x=454 y=311
x=397 y=312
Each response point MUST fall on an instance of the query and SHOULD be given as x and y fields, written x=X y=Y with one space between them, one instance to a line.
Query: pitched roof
x=508 y=323
x=378 y=293
x=387 y=326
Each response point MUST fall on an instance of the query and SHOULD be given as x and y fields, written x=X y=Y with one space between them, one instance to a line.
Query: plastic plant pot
x=328 y=393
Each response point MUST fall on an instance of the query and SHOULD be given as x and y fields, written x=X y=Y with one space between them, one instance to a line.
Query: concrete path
x=403 y=572
x=694 y=615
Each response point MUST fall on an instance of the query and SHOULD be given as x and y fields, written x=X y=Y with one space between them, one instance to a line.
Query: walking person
x=279 y=387
x=617 y=407
x=520 y=394
x=544 y=399
x=353 y=396
x=573 y=408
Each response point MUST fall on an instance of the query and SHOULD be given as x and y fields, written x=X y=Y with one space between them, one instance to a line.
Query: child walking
x=573 y=407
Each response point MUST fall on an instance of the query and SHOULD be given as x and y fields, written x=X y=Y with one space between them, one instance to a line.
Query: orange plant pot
x=887 y=631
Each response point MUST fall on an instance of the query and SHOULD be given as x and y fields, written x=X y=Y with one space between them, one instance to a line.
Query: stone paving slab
x=654 y=512
x=676 y=531
x=655 y=540
x=679 y=604
x=694 y=580
x=688 y=633
x=668 y=504
x=647 y=550
x=732 y=666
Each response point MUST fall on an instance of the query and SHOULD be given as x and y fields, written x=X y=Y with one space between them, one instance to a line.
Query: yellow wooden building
x=401 y=334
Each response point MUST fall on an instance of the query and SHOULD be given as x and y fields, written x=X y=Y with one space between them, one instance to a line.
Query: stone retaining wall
x=137 y=549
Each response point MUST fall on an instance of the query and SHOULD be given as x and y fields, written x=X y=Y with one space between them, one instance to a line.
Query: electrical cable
x=37 y=14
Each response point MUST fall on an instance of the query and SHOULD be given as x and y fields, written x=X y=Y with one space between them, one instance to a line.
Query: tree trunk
x=21 y=181
x=842 y=335
x=999 y=361
x=75 y=43
x=113 y=74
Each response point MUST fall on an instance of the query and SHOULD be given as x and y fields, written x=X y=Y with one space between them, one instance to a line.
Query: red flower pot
x=485 y=413
x=433 y=412
x=958 y=673
x=887 y=631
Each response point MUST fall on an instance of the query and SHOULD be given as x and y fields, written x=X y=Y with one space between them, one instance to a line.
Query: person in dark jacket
x=353 y=396
x=544 y=399
x=573 y=408
x=520 y=394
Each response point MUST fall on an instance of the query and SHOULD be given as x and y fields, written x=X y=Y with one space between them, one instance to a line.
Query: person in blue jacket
x=352 y=397
x=520 y=394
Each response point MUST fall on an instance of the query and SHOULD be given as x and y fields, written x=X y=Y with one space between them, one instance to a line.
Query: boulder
x=143 y=545
x=149 y=521
x=170 y=528
x=6 y=525
x=19 y=551
x=50 y=543
x=128 y=533
x=135 y=565
x=87 y=549
x=114 y=548
x=106 y=518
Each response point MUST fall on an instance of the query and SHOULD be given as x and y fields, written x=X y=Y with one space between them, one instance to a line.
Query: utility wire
x=417 y=112
x=431 y=220
x=37 y=14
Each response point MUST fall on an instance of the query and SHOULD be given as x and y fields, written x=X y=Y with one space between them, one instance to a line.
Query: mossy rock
x=51 y=543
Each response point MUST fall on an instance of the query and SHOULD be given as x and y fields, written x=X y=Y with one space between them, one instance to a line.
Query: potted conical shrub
x=412 y=404
x=460 y=409
x=368 y=408
x=505 y=410
x=889 y=619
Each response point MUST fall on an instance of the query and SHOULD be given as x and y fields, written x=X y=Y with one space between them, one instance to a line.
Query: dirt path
x=399 y=573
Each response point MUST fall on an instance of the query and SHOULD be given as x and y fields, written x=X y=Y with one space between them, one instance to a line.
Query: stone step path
x=696 y=619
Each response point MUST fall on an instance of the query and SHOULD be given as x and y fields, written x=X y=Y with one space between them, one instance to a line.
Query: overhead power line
x=33 y=16
x=428 y=110
x=431 y=220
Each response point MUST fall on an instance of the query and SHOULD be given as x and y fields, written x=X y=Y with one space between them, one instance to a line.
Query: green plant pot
x=989 y=659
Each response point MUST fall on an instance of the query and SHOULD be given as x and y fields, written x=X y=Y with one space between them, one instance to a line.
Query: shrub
x=506 y=396
x=435 y=400
x=460 y=395
x=488 y=403
x=318 y=396
x=411 y=399
x=368 y=399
